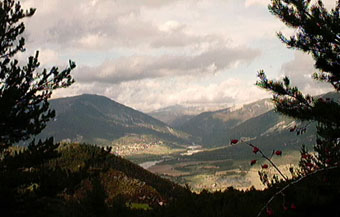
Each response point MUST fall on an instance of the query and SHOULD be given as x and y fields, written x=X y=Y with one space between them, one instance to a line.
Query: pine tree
x=24 y=91
x=317 y=32
x=25 y=178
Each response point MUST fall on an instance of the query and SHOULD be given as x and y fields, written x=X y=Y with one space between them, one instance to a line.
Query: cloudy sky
x=149 y=54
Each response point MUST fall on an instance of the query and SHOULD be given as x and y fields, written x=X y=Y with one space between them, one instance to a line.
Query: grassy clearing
x=140 y=206
x=220 y=174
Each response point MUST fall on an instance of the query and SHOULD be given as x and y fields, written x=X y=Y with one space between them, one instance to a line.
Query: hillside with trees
x=99 y=120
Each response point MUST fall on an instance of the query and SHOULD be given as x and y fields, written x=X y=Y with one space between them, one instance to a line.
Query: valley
x=198 y=152
x=207 y=173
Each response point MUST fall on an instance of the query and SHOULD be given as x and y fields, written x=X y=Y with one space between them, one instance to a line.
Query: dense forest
x=51 y=179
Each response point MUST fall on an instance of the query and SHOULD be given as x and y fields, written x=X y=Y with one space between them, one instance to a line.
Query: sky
x=149 y=54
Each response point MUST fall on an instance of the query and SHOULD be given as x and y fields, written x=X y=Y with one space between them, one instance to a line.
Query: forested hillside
x=99 y=120
x=89 y=181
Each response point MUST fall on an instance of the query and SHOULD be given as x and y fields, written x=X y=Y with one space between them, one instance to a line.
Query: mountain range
x=99 y=120
x=178 y=115
x=256 y=122
x=215 y=128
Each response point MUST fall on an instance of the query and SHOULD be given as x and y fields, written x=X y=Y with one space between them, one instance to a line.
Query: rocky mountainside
x=177 y=115
x=256 y=123
x=213 y=127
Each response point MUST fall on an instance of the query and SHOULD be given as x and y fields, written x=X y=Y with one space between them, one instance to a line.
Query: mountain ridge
x=177 y=115
x=99 y=120
x=212 y=127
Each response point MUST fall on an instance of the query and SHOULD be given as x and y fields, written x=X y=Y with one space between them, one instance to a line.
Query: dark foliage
x=318 y=34
x=25 y=181
x=24 y=90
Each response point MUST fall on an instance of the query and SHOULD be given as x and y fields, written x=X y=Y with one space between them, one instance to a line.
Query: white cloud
x=153 y=53
x=49 y=56
x=106 y=24
x=171 y=26
x=142 y=67
x=300 y=71
x=92 y=41
x=101 y=24
x=249 y=3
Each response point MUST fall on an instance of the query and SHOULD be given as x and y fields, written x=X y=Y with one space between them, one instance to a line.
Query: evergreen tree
x=24 y=91
x=317 y=32
x=25 y=178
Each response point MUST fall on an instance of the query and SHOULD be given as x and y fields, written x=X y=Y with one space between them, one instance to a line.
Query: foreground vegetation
x=85 y=180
